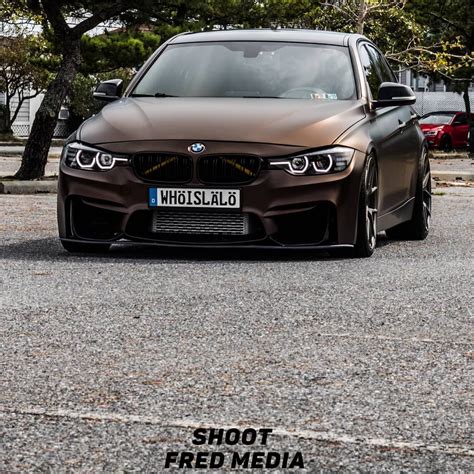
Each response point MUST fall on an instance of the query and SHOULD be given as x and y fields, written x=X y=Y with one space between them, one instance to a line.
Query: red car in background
x=445 y=130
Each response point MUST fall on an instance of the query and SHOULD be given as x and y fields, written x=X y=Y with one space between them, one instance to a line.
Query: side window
x=370 y=71
x=385 y=72
x=460 y=119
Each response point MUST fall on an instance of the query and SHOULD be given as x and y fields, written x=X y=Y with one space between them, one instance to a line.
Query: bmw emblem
x=197 y=148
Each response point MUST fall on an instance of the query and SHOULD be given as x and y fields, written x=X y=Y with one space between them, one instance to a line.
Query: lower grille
x=203 y=223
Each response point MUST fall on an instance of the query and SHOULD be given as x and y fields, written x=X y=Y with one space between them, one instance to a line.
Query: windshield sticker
x=323 y=96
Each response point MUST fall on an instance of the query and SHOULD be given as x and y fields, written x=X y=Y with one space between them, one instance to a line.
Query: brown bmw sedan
x=275 y=139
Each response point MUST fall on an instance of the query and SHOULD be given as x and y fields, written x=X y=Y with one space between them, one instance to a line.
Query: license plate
x=202 y=198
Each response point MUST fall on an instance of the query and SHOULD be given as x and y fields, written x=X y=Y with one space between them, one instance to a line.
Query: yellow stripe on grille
x=160 y=165
x=239 y=167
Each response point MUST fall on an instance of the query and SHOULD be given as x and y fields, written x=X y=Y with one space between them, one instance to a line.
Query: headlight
x=79 y=156
x=331 y=160
x=432 y=133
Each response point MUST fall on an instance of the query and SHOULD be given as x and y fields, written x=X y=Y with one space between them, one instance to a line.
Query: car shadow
x=51 y=249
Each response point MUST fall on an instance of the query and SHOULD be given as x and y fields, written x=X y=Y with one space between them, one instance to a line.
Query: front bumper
x=432 y=140
x=286 y=211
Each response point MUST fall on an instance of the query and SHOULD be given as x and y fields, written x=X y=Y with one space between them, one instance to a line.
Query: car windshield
x=437 y=119
x=251 y=69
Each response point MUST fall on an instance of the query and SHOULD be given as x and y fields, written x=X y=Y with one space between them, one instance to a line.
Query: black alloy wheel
x=368 y=210
x=418 y=227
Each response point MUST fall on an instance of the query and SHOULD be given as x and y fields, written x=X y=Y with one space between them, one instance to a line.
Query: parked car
x=445 y=130
x=271 y=139
x=470 y=140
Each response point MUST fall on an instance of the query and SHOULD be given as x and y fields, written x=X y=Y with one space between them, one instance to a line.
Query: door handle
x=401 y=125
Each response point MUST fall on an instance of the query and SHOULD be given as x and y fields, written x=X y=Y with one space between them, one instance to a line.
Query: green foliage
x=117 y=50
x=20 y=75
x=451 y=27
x=81 y=103
x=411 y=34
x=427 y=35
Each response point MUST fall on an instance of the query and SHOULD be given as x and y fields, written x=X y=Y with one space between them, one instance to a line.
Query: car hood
x=277 y=121
x=431 y=126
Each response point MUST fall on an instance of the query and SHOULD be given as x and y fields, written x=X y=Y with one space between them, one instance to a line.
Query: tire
x=79 y=247
x=418 y=227
x=445 y=144
x=366 y=215
x=368 y=209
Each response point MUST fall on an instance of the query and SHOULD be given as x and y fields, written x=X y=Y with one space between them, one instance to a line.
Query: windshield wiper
x=161 y=94
x=261 y=97
x=158 y=94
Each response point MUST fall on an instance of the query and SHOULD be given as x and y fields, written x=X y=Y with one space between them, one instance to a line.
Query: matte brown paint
x=301 y=123
x=263 y=127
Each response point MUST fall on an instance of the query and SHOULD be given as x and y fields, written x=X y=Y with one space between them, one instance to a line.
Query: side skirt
x=399 y=215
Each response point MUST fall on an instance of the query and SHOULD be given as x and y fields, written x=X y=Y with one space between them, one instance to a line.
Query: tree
x=117 y=50
x=114 y=55
x=359 y=12
x=54 y=16
x=418 y=34
x=21 y=78
x=80 y=102
x=451 y=22
x=66 y=40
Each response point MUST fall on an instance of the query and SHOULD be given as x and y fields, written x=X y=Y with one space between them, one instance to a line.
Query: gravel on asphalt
x=108 y=362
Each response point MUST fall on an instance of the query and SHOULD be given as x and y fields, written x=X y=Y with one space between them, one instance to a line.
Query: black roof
x=444 y=112
x=298 y=36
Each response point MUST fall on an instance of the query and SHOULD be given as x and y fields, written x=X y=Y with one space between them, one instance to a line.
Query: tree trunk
x=37 y=147
x=5 y=122
x=467 y=102
x=361 y=14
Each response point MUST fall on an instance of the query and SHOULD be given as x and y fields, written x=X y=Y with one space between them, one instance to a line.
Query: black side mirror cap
x=109 y=90
x=394 y=94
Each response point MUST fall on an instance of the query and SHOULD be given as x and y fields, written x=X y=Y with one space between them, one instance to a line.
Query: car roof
x=296 y=35
x=444 y=112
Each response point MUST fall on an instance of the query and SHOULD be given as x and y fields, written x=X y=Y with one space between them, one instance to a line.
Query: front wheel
x=368 y=209
x=366 y=215
x=79 y=247
x=418 y=227
x=445 y=144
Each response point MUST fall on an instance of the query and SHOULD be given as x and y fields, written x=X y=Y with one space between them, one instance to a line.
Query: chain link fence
x=427 y=102
x=22 y=130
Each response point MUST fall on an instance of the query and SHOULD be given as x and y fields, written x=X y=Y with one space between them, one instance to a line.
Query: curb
x=453 y=175
x=17 y=155
x=28 y=187
x=50 y=187
x=450 y=156
x=18 y=143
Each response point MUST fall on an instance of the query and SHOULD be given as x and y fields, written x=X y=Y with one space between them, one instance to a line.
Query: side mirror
x=109 y=90
x=393 y=94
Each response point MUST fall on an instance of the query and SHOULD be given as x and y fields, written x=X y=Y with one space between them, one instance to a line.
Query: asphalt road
x=107 y=363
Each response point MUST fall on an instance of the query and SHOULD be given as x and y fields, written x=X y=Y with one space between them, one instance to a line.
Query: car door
x=394 y=134
x=459 y=130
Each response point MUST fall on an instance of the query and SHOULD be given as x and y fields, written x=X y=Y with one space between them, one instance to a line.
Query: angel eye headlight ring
x=79 y=156
x=331 y=160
